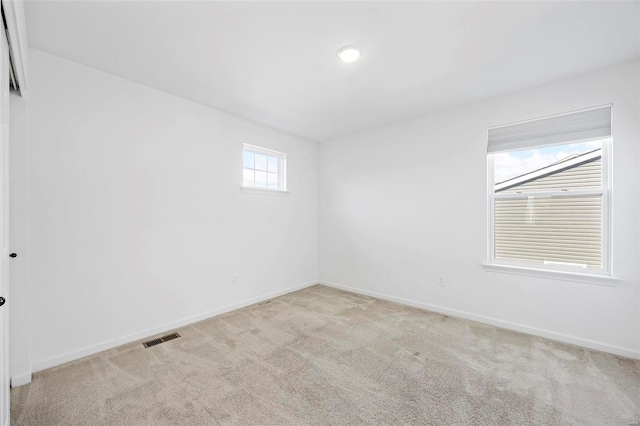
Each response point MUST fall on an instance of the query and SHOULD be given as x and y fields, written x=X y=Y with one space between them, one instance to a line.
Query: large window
x=263 y=168
x=549 y=192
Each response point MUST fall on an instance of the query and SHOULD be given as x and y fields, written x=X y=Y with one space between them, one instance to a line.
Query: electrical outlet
x=441 y=280
x=234 y=279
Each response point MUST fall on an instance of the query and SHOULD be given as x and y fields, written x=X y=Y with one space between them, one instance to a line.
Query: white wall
x=136 y=219
x=400 y=204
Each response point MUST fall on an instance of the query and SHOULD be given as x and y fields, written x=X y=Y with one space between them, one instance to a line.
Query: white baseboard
x=19 y=380
x=591 y=344
x=90 y=350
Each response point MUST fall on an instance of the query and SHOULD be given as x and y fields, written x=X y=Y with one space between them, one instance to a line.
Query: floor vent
x=160 y=340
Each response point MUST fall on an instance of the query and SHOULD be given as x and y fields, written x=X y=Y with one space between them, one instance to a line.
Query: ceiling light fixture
x=349 y=53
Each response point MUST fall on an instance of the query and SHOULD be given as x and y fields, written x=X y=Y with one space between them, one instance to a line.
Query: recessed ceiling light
x=349 y=53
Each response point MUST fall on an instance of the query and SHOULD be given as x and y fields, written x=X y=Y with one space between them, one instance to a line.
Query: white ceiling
x=275 y=62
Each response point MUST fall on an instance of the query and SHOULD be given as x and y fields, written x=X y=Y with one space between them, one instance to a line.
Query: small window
x=263 y=168
x=549 y=193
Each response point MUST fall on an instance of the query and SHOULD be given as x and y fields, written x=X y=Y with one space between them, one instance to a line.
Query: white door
x=4 y=230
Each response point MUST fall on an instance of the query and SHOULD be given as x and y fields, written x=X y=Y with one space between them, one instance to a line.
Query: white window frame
x=282 y=170
x=563 y=272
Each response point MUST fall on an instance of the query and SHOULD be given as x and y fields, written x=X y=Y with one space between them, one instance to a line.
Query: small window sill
x=262 y=191
x=606 y=280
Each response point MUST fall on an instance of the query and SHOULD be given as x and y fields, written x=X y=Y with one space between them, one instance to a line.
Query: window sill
x=262 y=191
x=606 y=280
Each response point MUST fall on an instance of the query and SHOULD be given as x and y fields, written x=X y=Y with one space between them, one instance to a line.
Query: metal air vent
x=159 y=340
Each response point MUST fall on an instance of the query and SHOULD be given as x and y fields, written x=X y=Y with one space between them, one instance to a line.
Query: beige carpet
x=324 y=356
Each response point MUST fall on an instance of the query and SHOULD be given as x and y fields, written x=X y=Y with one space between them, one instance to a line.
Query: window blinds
x=580 y=126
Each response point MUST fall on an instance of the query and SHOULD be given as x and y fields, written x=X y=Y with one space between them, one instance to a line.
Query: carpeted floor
x=324 y=356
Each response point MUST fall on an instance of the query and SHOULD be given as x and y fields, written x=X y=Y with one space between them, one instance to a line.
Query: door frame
x=14 y=18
